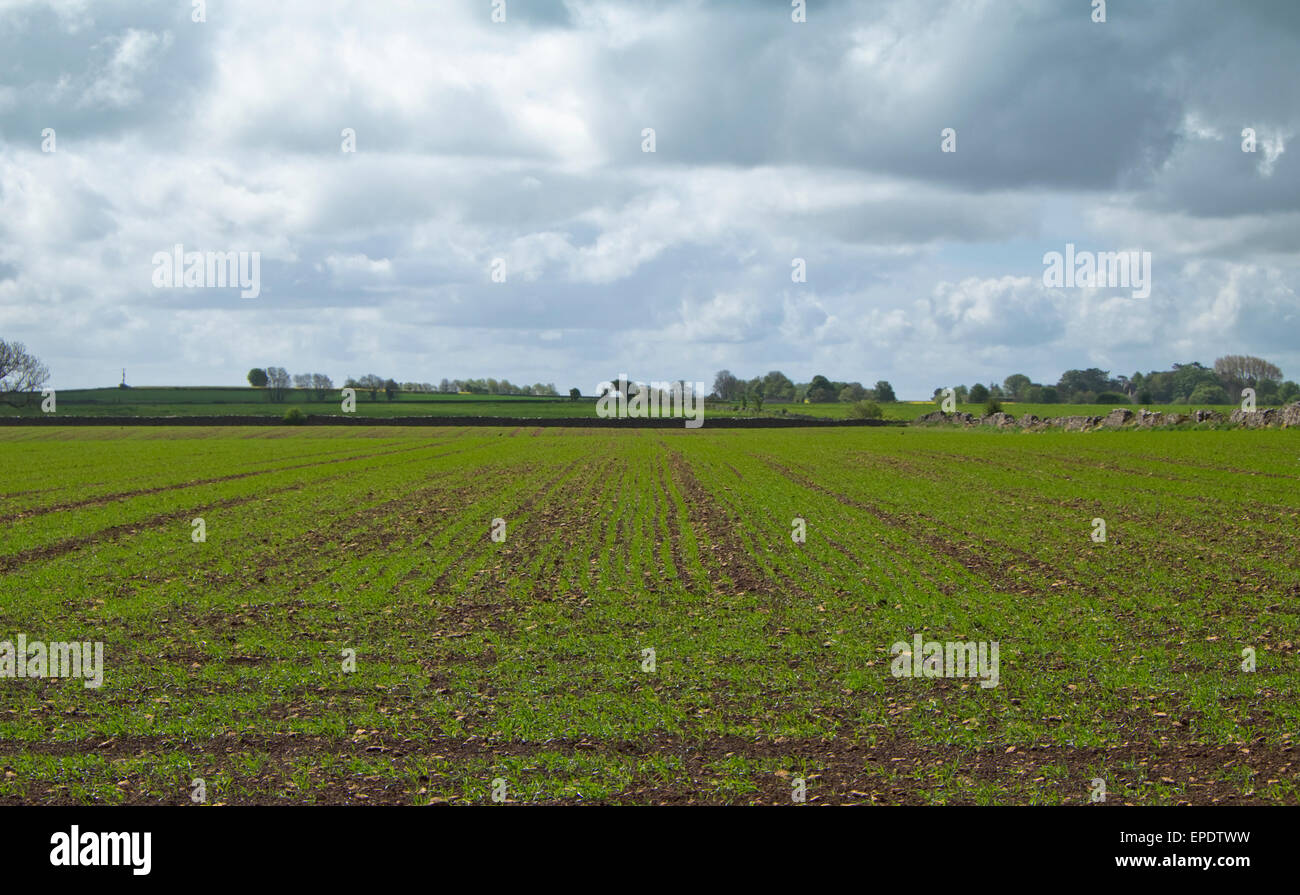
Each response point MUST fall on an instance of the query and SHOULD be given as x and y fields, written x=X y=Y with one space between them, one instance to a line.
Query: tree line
x=277 y=382
x=1191 y=383
x=22 y=375
x=776 y=387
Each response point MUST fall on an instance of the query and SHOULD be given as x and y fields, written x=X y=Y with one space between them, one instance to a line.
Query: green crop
x=355 y=624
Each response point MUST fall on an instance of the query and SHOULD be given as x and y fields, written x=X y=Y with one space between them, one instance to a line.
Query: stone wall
x=1122 y=417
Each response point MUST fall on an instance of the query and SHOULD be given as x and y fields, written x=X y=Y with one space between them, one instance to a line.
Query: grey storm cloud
x=521 y=143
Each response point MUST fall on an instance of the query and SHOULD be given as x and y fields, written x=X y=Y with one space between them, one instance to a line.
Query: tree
x=302 y=380
x=821 y=391
x=1238 y=371
x=979 y=393
x=778 y=387
x=726 y=386
x=1246 y=368
x=1287 y=392
x=1187 y=378
x=1074 y=383
x=1208 y=393
x=756 y=394
x=321 y=386
x=370 y=383
x=1160 y=385
x=865 y=410
x=1016 y=385
x=852 y=392
x=885 y=392
x=277 y=381
x=574 y=394
x=22 y=374
x=390 y=389
x=257 y=377
x=1266 y=391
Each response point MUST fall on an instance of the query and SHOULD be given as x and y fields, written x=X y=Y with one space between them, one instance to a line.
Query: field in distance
x=244 y=401
x=648 y=631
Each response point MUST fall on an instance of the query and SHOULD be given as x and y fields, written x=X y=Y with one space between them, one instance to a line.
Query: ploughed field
x=521 y=669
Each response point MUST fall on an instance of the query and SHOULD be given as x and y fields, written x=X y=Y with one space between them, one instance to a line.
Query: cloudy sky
x=523 y=141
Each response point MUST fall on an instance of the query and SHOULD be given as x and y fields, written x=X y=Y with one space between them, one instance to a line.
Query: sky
x=518 y=147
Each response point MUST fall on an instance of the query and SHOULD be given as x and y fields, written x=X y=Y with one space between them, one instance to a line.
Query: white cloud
x=522 y=141
x=133 y=54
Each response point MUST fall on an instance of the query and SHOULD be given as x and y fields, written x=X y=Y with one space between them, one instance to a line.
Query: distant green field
x=237 y=401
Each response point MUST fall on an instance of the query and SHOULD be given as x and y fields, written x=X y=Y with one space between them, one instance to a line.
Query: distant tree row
x=776 y=387
x=320 y=385
x=657 y=392
x=277 y=382
x=374 y=385
x=495 y=387
x=1191 y=383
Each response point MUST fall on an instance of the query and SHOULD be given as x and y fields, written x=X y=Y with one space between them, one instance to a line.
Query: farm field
x=524 y=663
